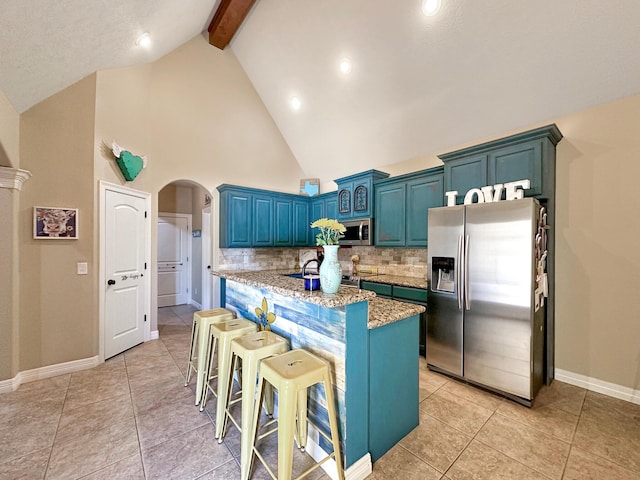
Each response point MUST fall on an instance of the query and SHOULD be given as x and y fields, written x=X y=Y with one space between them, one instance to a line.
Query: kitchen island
x=371 y=344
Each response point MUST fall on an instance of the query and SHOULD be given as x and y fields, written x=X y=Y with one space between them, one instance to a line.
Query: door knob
x=208 y=267
x=111 y=282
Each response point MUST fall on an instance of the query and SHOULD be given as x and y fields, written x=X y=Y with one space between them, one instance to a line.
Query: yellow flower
x=331 y=231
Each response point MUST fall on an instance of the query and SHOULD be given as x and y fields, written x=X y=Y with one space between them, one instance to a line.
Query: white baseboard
x=47 y=372
x=600 y=386
x=155 y=334
x=195 y=304
x=360 y=470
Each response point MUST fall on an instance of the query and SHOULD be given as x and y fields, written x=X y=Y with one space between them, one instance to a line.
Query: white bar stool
x=291 y=373
x=220 y=337
x=198 y=348
x=251 y=350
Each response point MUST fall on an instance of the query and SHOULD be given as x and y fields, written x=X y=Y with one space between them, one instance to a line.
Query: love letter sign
x=491 y=193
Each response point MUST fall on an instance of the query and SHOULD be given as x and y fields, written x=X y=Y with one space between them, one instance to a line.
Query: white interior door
x=174 y=230
x=206 y=259
x=125 y=238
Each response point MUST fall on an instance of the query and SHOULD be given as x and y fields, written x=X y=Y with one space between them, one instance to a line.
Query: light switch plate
x=82 y=268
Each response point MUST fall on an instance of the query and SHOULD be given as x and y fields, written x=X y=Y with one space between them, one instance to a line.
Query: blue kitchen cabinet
x=283 y=222
x=235 y=217
x=355 y=194
x=524 y=156
x=401 y=207
x=263 y=225
x=465 y=173
x=251 y=217
x=390 y=221
x=423 y=193
x=331 y=206
x=300 y=224
x=322 y=206
x=517 y=162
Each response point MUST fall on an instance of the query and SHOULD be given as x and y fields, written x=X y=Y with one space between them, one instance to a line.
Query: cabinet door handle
x=111 y=282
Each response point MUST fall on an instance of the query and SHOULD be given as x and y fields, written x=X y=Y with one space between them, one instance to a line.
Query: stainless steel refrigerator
x=485 y=309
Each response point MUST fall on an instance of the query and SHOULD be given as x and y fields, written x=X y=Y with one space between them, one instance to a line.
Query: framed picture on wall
x=55 y=223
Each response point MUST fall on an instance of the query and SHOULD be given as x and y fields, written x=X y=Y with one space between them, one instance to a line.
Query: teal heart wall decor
x=130 y=165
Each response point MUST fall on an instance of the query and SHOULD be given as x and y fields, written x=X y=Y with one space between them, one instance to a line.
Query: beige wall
x=597 y=254
x=209 y=125
x=9 y=201
x=57 y=307
x=9 y=134
x=175 y=199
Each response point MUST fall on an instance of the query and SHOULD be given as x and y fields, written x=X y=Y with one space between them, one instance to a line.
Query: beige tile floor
x=132 y=418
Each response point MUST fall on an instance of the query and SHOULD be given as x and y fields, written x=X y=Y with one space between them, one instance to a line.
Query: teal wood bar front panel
x=340 y=336
x=393 y=394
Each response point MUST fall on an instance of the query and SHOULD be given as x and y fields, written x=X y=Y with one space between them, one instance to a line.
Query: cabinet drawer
x=379 y=288
x=409 y=293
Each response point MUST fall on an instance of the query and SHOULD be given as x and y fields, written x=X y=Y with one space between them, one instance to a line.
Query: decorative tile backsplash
x=257 y=258
x=408 y=262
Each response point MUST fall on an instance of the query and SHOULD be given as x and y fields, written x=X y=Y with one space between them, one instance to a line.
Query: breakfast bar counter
x=371 y=344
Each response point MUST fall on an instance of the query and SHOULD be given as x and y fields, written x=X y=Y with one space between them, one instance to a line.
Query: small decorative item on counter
x=331 y=231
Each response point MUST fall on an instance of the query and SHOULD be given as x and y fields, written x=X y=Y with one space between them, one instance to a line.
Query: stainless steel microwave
x=359 y=232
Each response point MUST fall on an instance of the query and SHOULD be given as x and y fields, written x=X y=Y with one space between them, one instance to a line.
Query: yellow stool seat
x=197 y=350
x=291 y=373
x=251 y=349
x=220 y=336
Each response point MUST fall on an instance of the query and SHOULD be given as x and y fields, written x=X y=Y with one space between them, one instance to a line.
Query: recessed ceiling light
x=430 y=7
x=144 y=40
x=345 y=66
x=296 y=103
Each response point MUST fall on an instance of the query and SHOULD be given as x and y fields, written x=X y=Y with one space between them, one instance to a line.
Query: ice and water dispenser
x=443 y=276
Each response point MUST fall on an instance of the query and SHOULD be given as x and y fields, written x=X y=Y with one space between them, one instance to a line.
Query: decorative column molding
x=13 y=178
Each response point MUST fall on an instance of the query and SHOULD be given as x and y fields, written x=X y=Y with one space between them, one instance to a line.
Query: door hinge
x=145 y=317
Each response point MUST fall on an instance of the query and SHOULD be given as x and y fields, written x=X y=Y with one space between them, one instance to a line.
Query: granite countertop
x=414 y=282
x=382 y=311
x=277 y=281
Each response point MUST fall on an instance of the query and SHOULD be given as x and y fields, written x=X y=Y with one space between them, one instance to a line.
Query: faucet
x=304 y=267
x=355 y=260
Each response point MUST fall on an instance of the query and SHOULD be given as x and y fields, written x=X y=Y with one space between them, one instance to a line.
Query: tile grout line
x=57 y=428
x=135 y=417
x=573 y=436
x=468 y=443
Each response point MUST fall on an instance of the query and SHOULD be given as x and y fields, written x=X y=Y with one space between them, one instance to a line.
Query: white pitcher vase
x=330 y=270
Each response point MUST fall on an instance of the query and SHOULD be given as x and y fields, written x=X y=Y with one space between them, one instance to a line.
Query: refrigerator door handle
x=466 y=272
x=459 y=279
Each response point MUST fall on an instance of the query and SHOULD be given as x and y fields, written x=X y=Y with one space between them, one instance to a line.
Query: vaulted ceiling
x=418 y=84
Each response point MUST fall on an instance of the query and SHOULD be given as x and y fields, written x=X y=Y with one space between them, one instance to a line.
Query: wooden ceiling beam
x=227 y=20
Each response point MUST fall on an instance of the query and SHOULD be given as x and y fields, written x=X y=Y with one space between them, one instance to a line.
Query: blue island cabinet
x=375 y=374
